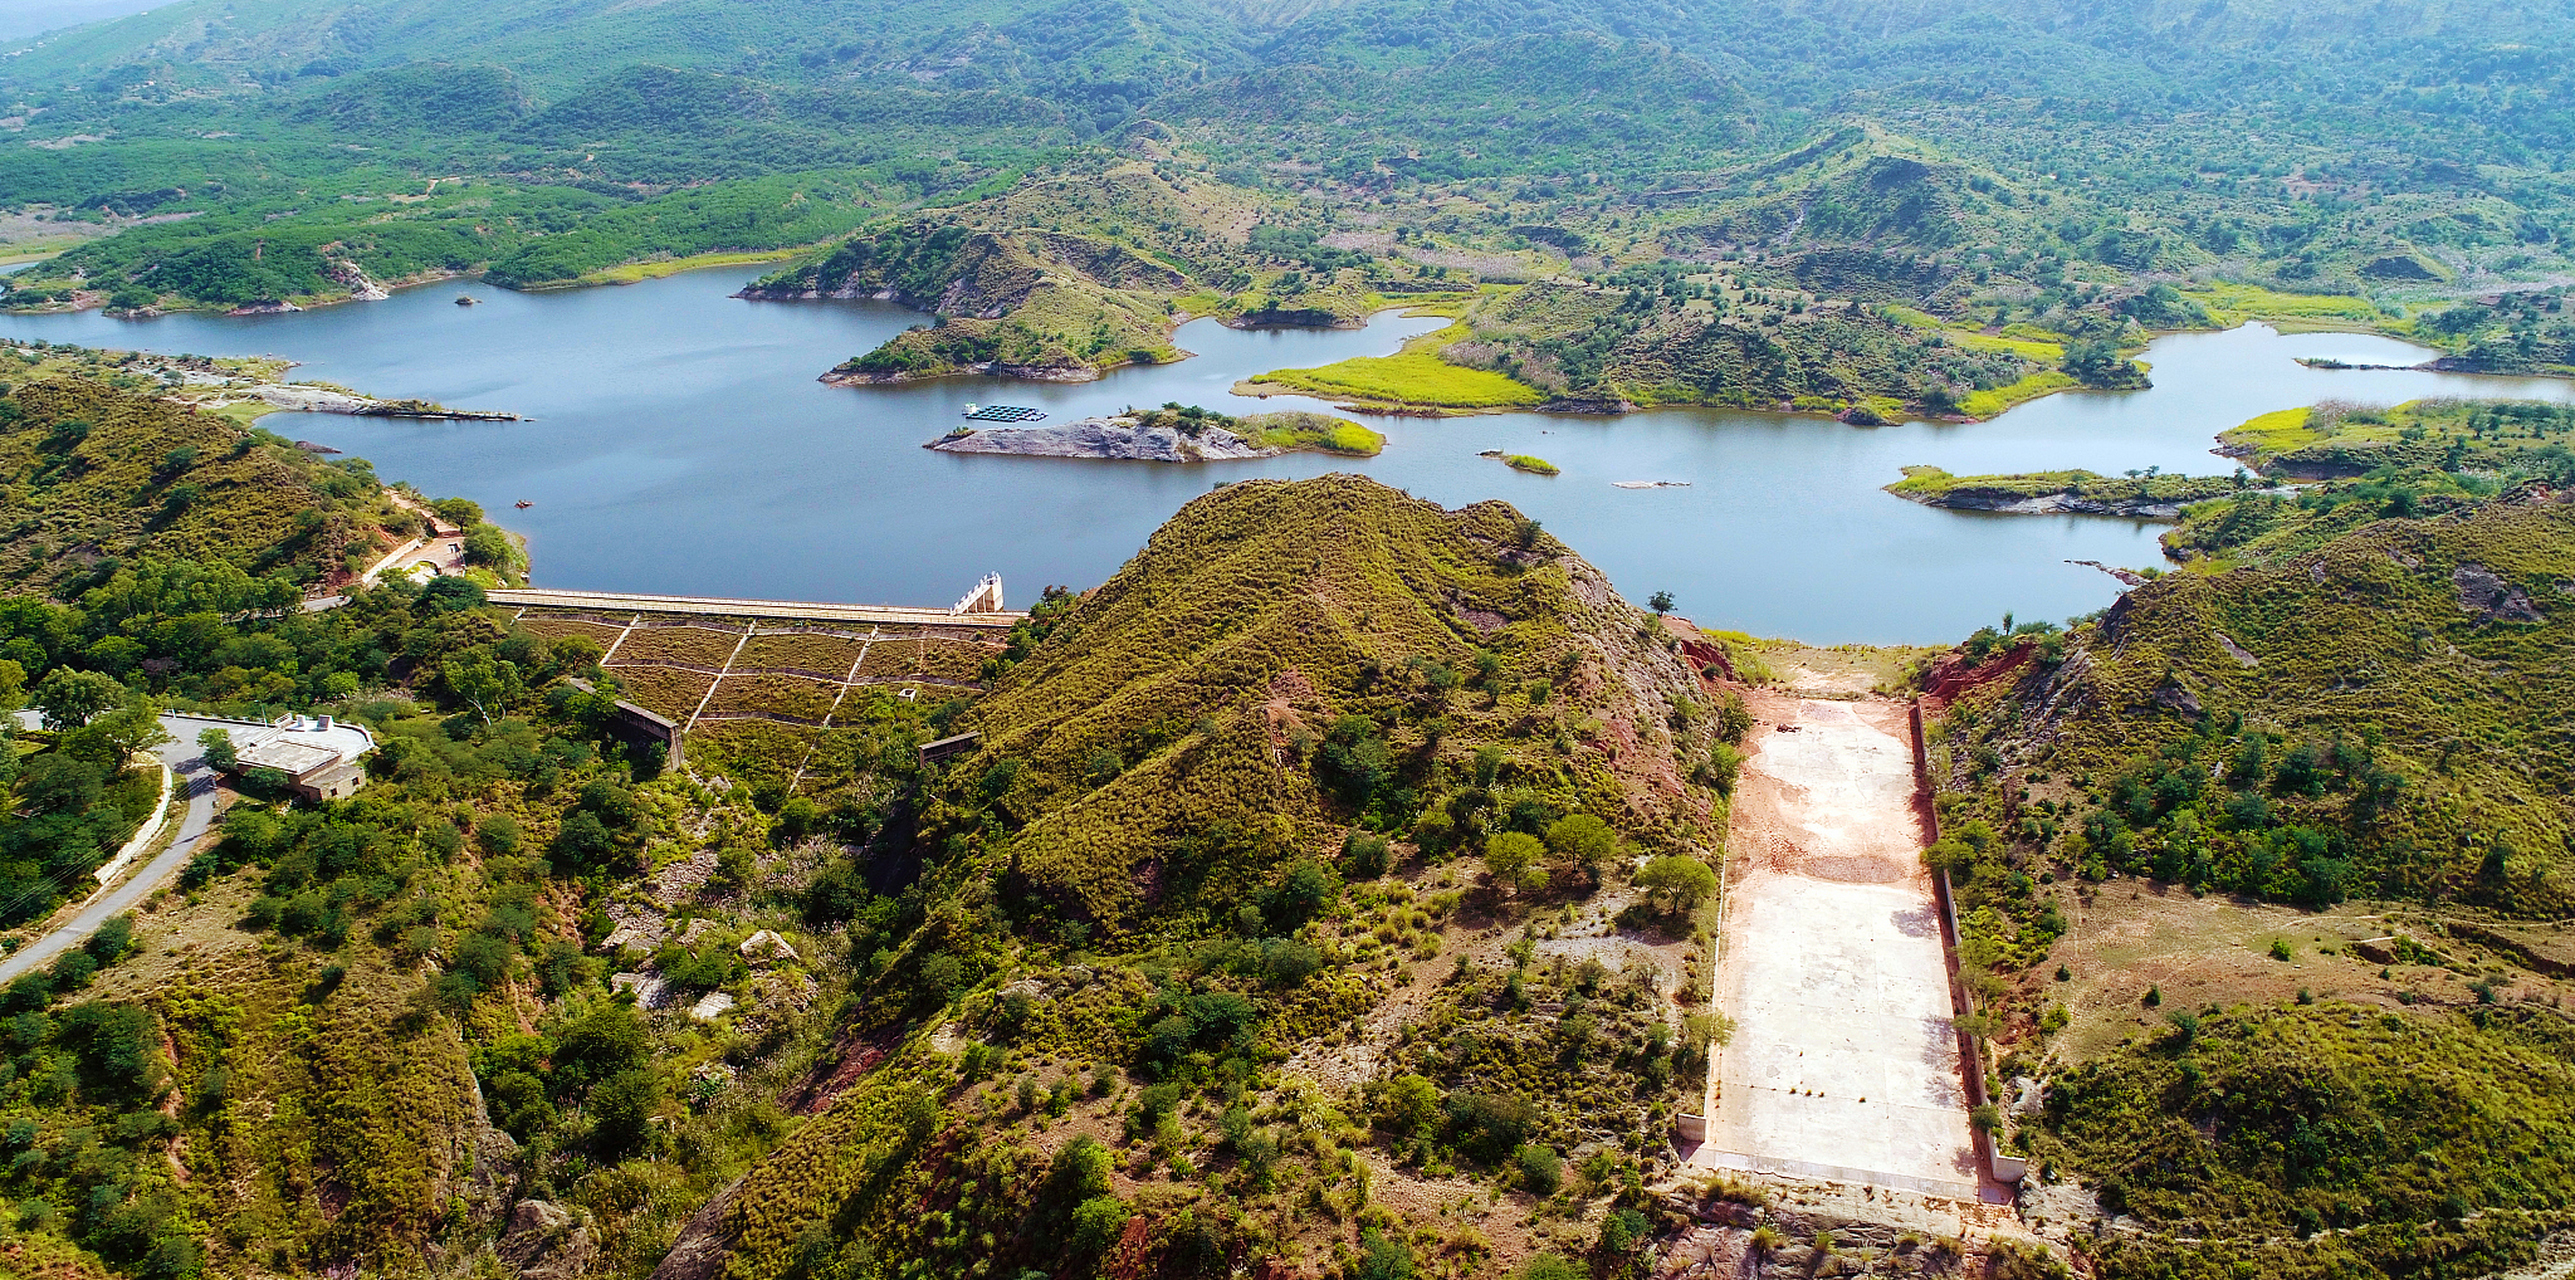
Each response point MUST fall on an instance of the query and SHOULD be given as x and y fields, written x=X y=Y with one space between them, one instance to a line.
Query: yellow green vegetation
x=2337 y=438
x=2363 y=710
x=2333 y=1137
x=1287 y=432
x=1069 y=272
x=1321 y=433
x=1415 y=636
x=2027 y=341
x=2215 y=732
x=2229 y=304
x=690 y=644
x=1416 y=375
x=666 y=692
x=1216 y=812
x=655 y=269
x=1992 y=402
x=1532 y=465
x=1663 y=335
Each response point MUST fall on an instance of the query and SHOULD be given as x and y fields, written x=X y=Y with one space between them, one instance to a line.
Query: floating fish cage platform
x=1002 y=413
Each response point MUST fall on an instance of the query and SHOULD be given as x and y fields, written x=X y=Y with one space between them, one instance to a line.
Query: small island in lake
x=2146 y=495
x=1523 y=462
x=1172 y=434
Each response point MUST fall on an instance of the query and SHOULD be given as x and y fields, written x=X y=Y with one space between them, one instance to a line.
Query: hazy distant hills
x=2490 y=69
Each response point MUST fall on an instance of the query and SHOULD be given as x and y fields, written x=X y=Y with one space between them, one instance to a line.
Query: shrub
x=1725 y=767
x=1622 y=1231
x=621 y=1109
x=1097 y=1224
x=1734 y=719
x=1363 y=855
x=1542 y=1171
x=1382 y=1257
x=1488 y=1127
x=1550 y=1266
x=1409 y=1104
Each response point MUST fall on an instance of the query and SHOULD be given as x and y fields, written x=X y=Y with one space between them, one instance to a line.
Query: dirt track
x=1844 y=1062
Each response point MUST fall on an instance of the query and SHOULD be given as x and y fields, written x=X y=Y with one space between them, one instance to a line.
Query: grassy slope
x=1321 y=433
x=115 y=492
x=1414 y=376
x=1146 y=774
x=1178 y=667
x=1639 y=342
x=2346 y=440
x=1090 y=268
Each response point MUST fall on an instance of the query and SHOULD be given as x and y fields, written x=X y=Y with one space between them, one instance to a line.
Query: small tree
x=483 y=684
x=1584 y=842
x=215 y=748
x=1660 y=602
x=71 y=698
x=1511 y=858
x=1677 y=883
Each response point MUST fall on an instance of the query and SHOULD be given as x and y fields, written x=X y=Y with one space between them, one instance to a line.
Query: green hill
x=1157 y=877
x=95 y=477
x=2372 y=709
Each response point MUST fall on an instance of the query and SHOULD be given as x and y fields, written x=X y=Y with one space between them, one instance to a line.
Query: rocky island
x=1172 y=434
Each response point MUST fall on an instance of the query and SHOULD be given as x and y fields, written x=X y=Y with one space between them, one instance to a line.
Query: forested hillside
x=2357 y=695
x=1322 y=753
x=2001 y=163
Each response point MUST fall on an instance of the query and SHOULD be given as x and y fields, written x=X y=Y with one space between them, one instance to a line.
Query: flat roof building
x=318 y=756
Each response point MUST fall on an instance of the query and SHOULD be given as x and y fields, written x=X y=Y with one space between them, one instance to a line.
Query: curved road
x=192 y=779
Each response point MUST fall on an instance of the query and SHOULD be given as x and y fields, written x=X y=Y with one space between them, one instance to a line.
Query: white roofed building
x=320 y=757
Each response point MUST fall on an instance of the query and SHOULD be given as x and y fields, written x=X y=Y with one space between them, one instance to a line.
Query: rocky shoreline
x=988 y=368
x=1119 y=439
x=312 y=399
x=2050 y=504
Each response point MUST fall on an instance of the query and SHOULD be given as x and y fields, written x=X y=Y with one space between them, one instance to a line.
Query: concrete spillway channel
x=1845 y=1063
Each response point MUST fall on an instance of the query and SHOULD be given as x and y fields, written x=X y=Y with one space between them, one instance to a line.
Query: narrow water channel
x=681 y=444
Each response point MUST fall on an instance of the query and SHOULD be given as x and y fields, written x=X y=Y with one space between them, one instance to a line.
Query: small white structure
x=985 y=598
x=318 y=756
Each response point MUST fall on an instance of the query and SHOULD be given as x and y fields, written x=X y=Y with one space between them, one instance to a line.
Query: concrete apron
x=1844 y=1065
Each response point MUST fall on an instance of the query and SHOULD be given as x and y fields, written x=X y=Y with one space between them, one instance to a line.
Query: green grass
x=1994 y=401
x=1312 y=431
x=147 y=478
x=2270 y=435
x=1415 y=375
x=1533 y=465
x=2336 y=439
x=638 y=272
x=2230 y=304
x=2271 y=1123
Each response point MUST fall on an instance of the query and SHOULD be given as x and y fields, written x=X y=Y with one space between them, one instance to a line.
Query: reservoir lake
x=679 y=443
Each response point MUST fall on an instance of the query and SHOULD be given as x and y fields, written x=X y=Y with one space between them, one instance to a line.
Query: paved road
x=621 y=602
x=194 y=780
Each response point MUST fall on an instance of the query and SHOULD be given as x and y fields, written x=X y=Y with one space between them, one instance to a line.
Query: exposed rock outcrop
x=1119 y=438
